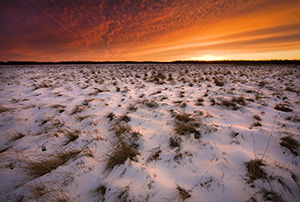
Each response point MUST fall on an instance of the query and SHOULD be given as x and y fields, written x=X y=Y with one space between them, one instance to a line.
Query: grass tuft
x=174 y=142
x=46 y=164
x=283 y=107
x=149 y=103
x=290 y=143
x=240 y=100
x=16 y=136
x=254 y=170
x=110 y=116
x=99 y=192
x=71 y=136
x=183 y=117
x=218 y=82
x=199 y=102
x=183 y=194
x=185 y=129
x=229 y=104
x=154 y=156
x=122 y=194
x=119 y=154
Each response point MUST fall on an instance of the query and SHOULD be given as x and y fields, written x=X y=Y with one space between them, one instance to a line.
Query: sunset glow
x=160 y=30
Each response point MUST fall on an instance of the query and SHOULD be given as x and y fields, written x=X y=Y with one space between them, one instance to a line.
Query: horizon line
x=275 y=61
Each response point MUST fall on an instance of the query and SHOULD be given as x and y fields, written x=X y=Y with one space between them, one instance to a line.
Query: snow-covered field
x=150 y=132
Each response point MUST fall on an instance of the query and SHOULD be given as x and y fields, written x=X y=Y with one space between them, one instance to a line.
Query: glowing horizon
x=159 y=30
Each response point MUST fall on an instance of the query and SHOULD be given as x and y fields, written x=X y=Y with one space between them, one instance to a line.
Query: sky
x=149 y=30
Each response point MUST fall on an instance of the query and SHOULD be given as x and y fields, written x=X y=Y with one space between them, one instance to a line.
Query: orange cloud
x=145 y=30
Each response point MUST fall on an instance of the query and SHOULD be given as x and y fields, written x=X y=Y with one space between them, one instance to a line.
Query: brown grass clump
x=218 y=82
x=16 y=136
x=185 y=125
x=120 y=129
x=71 y=136
x=4 y=109
x=254 y=170
x=77 y=109
x=154 y=156
x=294 y=118
x=99 y=192
x=257 y=117
x=229 y=104
x=283 y=107
x=271 y=196
x=240 y=100
x=46 y=164
x=97 y=91
x=110 y=116
x=43 y=192
x=174 y=142
x=256 y=124
x=183 y=117
x=149 y=103
x=290 y=143
x=185 y=129
x=119 y=154
x=183 y=194
x=124 y=118
x=199 y=102
x=122 y=194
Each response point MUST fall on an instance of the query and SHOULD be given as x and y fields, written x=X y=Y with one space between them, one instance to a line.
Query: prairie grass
x=42 y=192
x=81 y=118
x=16 y=136
x=183 y=117
x=119 y=154
x=149 y=103
x=257 y=117
x=132 y=108
x=99 y=192
x=291 y=144
x=254 y=170
x=199 y=102
x=175 y=142
x=71 y=136
x=4 y=109
x=218 y=82
x=294 y=118
x=77 y=109
x=183 y=193
x=154 y=156
x=185 y=125
x=110 y=116
x=122 y=194
x=240 y=100
x=97 y=91
x=229 y=104
x=184 y=129
x=45 y=164
x=283 y=107
x=4 y=149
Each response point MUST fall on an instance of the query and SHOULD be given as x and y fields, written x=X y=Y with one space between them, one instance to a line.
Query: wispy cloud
x=123 y=29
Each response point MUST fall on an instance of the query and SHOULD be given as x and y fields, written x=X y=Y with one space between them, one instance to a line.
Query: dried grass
x=183 y=193
x=290 y=143
x=254 y=170
x=119 y=154
x=45 y=164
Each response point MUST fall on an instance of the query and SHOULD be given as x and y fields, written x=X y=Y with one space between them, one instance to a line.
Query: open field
x=150 y=132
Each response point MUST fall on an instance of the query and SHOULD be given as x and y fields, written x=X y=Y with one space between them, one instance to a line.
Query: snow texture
x=149 y=132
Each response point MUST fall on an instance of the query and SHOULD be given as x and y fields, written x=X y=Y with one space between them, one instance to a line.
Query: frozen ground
x=150 y=132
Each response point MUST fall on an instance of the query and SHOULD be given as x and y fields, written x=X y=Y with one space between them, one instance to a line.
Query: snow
x=42 y=106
